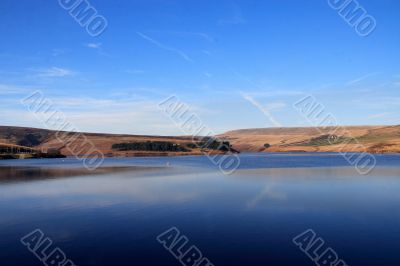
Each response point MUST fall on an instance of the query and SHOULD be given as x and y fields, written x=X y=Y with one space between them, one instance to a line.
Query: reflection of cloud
x=108 y=190
x=164 y=47
x=266 y=193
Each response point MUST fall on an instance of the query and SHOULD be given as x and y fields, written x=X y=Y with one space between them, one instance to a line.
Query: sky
x=237 y=64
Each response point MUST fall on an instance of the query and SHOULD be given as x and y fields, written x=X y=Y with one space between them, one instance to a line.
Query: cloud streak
x=264 y=110
x=93 y=45
x=236 y=19
x=200 y=35
x=11 y=89
x=54 y=72
x=178 y=52
x=381 y=115
x=357 y=80
x=98 y=47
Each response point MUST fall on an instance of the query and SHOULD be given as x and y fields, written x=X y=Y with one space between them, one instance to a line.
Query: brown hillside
x=46 y=140
x=374 y=139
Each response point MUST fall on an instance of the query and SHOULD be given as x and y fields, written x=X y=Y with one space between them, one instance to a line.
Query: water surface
x=113 y=216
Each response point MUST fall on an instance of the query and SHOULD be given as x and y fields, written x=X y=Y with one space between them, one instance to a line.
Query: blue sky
x=233 y=62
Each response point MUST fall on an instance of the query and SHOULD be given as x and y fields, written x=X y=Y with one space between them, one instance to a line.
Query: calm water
x=113 y=216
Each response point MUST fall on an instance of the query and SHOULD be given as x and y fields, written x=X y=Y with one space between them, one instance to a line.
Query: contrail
x=264 y=110
x=164 y=47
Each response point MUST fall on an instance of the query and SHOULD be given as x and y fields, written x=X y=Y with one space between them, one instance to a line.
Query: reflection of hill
x=10 y=151
x=16 y=174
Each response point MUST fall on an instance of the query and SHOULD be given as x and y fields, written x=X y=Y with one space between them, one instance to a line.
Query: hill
x=46 y=143
x=373 y=139
x=111 y=145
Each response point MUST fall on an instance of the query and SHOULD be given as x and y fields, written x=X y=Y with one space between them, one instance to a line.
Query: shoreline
x=205 y=154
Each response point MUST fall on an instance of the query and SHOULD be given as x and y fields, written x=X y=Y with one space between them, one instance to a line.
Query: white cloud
x=378 y=102
x=276 y=106
x=263 y=109
x=380 y=115
x=276 y=93
x=57 y=52
x=11 y=89
x=164 y=47
x=54 y=72
x=236 y=18
x=191 y=34
x=93 y=45
x=135 y=71
x=127 y=116
x=357 y=80
x=98 y=47
x=208 y=74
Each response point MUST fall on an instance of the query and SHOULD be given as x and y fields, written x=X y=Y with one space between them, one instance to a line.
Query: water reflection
x=10 y=174
x=113 y=216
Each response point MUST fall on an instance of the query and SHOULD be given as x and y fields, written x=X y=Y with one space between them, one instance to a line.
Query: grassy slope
x=48 y=141
x=375 y=139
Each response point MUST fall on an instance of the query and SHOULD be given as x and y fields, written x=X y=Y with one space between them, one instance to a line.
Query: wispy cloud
x=18 y=57
x=276 y=106
x=357 y=80
x=57 y=52
x=267 y=91
x=236 y=18
x=263 y=109
x=276 y=93
x=208 y=74
x=93 y=45
x=11 y=89
x=380 y=115
x=98 y=47
x=135 y=71
x=200 y=35
x=100 y=115
x=54 y=72
x=167 y=48
x=382 y=103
